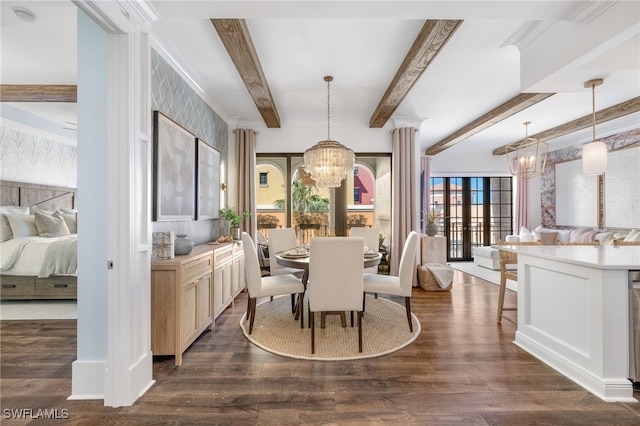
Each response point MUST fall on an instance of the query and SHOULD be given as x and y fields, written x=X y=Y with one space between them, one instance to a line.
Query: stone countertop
x=606 y=257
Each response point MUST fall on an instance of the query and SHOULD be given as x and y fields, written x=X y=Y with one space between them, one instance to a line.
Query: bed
x=38 y=264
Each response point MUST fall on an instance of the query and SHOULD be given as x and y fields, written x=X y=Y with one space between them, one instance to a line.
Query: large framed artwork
x=208 y=189
x=622 y=189
x=174 y=170
x=576 y=196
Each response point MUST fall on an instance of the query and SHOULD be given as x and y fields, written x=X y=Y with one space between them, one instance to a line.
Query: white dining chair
x=269 y=286
x=281 y=239
x=335 y=279
x=371 y=241
x=400 y=285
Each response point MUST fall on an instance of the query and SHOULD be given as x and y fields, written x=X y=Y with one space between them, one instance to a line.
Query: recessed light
x=24 y=14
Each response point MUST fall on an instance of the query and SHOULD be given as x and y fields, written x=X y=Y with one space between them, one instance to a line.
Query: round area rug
x=384 y=330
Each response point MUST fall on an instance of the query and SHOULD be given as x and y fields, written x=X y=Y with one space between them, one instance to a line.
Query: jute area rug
x=384 y=330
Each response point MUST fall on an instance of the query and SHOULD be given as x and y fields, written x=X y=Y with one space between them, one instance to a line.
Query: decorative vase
x=432 y=229
x=182 y=245
x=235 y=232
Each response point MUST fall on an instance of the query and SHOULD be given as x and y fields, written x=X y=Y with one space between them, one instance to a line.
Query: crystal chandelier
x=527 y=158
x=594 y=154
x=328 y=162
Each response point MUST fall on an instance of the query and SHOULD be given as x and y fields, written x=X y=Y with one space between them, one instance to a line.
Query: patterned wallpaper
x=172 y=96
x=547 y=184
x=34 y=159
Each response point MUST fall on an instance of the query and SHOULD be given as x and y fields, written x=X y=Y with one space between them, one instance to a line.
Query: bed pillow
x=51 y=225
x=5 y=228
x=22 y=225
x=70 y=219
x=14 y=209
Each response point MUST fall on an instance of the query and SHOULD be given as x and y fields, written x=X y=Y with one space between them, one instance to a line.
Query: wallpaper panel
x=34 y=159
x=173 y=96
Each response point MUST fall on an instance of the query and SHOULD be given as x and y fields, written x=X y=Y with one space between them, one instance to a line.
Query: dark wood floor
x=462 y=369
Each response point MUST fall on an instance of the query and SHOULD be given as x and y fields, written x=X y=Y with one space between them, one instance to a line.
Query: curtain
x=246 y=178
x=404 y=176
x=425 y=168
x=522 y=204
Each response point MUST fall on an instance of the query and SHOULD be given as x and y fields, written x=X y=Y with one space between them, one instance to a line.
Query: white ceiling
x=501 y=49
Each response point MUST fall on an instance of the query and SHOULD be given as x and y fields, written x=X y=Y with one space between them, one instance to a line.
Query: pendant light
x=328 y=162
x=527 y=158
x=594 y=154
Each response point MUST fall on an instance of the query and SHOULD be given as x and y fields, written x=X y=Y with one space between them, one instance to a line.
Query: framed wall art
x=622 y=189
x=208 y=185
x=576 y=196
x=174 y=170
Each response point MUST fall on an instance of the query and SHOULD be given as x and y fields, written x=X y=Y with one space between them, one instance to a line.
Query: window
x=356 y=171
x=356 y=194
x=263 y=179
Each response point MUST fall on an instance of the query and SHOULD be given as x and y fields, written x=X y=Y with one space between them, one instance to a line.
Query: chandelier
x=527 y=158
x=328 y=162
x=594 y=154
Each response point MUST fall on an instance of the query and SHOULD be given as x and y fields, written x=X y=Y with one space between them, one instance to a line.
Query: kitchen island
x=573 y=313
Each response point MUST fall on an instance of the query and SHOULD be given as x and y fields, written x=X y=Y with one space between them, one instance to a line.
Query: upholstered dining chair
x=400 y=285
x=507 y=261
x=282 y=239
x=371 y=236
x=335 y=279
x=269 y=286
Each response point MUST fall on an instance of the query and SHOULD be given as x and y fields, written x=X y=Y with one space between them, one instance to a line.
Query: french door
x=477 y=211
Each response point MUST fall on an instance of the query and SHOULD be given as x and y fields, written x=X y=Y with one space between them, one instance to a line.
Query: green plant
x=308 y=207
x=229 y=214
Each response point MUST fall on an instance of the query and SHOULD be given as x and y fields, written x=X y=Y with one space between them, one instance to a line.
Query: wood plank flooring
x=462 y=369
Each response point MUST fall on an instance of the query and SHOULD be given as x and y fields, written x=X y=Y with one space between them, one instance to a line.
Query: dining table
x=301 y=259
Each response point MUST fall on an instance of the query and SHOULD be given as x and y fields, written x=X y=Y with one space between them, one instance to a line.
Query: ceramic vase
x=432 y=229
x=182 y=245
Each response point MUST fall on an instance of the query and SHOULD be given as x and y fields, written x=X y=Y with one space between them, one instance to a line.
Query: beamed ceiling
x=468 y=72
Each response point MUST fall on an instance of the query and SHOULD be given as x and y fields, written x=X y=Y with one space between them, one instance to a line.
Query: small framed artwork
x=174 y=166
x=208 y=189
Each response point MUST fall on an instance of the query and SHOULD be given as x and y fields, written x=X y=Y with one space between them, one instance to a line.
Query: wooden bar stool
x=508 y=258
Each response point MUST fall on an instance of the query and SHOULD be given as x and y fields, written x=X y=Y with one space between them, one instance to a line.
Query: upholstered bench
x=487 y=257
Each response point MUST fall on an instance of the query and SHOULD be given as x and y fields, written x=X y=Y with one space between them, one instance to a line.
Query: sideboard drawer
x=197 y=268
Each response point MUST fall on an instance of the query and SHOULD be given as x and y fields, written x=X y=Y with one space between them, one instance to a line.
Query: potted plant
x=433 y=222
x=356 y=220
x=267 y=221
x=229 y=214
x=308 y=207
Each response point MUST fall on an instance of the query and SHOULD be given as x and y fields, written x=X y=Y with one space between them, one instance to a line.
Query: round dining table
x=302 y=262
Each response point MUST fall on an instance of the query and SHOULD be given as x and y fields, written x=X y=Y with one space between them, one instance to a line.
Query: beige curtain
x=425 y=169
x=404 y=176
x=246 y=178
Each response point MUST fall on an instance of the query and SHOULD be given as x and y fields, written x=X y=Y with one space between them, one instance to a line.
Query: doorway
x=477 y=211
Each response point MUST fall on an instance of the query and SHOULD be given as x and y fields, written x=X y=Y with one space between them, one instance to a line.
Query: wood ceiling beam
x=38 y=93
x=611 y=113
x=237 y=40
x=506 y=110
x=429 y=42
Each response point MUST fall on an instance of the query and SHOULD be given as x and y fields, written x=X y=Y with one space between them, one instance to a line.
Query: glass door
x=477 y=211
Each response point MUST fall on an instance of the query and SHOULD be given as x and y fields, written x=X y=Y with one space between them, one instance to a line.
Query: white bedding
x=29 y=256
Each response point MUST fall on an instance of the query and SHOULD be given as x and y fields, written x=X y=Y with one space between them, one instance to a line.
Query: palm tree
x=305 y=202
